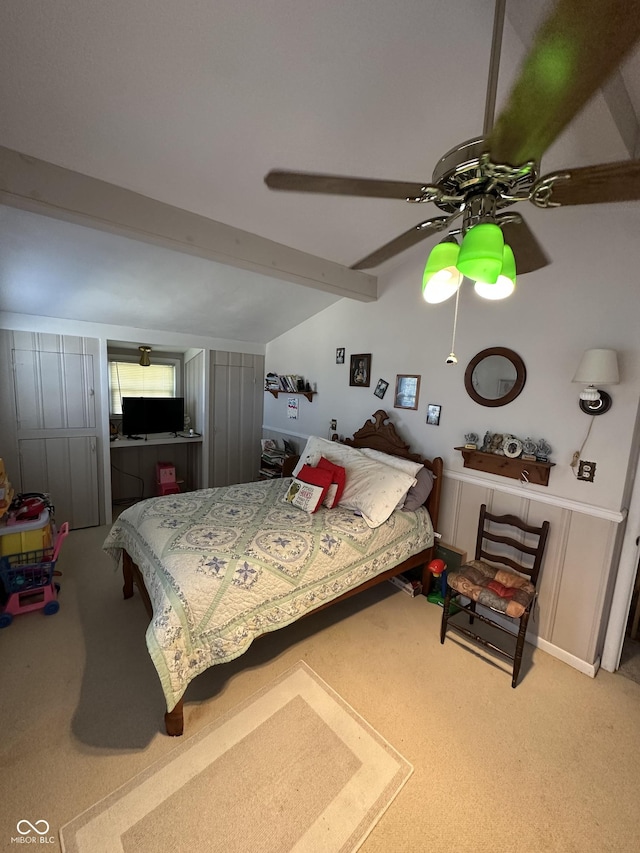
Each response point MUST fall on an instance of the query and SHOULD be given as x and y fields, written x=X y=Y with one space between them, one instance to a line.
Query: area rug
x=293 y=768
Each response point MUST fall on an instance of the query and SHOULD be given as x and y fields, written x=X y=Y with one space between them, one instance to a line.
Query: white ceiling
x=192 y=102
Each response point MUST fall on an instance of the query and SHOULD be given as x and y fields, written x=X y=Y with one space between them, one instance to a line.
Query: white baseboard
x=589 y=669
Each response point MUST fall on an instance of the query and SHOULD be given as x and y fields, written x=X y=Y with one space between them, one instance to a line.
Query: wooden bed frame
x=378 y=434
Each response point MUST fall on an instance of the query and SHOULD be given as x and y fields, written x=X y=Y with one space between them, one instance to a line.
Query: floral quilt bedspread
x=224 y=565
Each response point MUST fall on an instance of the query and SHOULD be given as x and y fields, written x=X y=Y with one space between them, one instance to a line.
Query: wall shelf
x=525 y=470
x=308 y=394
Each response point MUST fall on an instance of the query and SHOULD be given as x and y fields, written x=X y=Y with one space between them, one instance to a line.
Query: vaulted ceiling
x=192 y=103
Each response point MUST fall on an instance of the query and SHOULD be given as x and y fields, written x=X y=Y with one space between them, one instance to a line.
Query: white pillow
x=331 y=450
x=374 y=489
x=394 y=461
x=399 y=462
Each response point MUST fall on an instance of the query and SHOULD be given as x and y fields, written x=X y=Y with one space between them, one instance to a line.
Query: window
x=129 y=379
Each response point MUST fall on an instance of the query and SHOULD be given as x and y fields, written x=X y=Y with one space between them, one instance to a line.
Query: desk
x=160 y=438
x=133 y=464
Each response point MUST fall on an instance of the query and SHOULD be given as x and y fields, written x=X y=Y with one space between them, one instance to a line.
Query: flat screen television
x=144 y=415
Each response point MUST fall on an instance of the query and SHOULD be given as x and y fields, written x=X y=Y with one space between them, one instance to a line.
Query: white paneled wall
x=576 y=573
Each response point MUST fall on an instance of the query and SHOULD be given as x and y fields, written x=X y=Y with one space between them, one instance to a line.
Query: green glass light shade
x=506 y=283
x=441 y=279
x=481 y=254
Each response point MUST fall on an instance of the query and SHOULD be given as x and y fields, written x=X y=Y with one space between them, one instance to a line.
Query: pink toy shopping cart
x=26 y=581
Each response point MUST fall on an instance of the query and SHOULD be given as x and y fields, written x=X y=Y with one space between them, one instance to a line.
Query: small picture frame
x=340 y=355
x=360 y=370
x=433 y=414
x=381 y=388
x=407 y=391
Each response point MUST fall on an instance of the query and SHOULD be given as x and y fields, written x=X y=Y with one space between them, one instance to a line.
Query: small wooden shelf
x=525 y=470
x=307 y=394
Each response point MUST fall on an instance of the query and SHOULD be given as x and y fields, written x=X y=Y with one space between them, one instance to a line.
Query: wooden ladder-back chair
x=507 y=591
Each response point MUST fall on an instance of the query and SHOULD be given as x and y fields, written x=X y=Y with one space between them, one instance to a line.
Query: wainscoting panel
x=576 y=572
x=582 y=589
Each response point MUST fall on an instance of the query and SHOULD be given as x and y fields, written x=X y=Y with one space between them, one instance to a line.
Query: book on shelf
x=411 y=586
x=267 y=473
x=287 y=382
x=272 y=382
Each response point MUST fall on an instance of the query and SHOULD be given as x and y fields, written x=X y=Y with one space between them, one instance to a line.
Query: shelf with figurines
x=508 y=456
x=289 y=383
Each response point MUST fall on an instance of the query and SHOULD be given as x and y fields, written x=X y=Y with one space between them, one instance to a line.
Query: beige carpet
x=292 y=768
x=551 y=767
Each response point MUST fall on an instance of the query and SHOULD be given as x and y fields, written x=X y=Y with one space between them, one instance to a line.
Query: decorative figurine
x=543 y=451
x=495 y=445
x=529 y=449
x=486 y=441
x=471 y=441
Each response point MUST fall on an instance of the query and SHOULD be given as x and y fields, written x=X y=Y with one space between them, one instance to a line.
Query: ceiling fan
x=575 y=50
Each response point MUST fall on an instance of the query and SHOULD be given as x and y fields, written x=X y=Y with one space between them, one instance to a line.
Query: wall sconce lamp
x=144 y=356
x=484 y=258
x=597 y=367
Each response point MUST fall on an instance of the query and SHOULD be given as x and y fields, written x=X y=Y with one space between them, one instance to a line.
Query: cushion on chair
x=501 y=590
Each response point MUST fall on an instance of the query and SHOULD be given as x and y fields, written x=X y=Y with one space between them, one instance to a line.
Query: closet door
x=54 y=390
x=55 y=422
x=236 y=401
x=67 y=469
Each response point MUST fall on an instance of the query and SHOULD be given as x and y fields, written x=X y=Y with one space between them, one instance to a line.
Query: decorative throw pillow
x=309 y=488
x=418 y=494
x=338 y=476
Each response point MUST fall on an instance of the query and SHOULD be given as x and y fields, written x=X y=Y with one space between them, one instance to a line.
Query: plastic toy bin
x=29 y=570
x=25 y=536
x=26 y=581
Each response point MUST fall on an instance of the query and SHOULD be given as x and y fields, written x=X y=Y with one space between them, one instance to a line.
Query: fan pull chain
x=452 y=358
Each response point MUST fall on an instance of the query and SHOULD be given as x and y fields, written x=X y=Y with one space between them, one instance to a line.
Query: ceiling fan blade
x=528 y=252
x=605 y=183
x=404 y=241
x=576 y=49
x=312 y=182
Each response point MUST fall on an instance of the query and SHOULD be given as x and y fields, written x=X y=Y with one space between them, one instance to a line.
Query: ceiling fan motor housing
x=466 y=172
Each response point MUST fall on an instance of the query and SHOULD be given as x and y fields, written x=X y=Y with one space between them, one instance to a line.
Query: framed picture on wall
x=407 y=392
x=360 y=370
x=381 y=388
x=340 y=355
x=433 y=414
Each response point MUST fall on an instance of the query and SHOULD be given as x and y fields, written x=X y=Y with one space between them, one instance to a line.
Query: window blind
x=129 y=379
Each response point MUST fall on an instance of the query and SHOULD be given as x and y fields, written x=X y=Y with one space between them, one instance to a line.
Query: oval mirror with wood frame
x=495 y=376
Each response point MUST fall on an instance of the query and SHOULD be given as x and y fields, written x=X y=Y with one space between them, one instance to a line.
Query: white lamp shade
x=598 y=367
